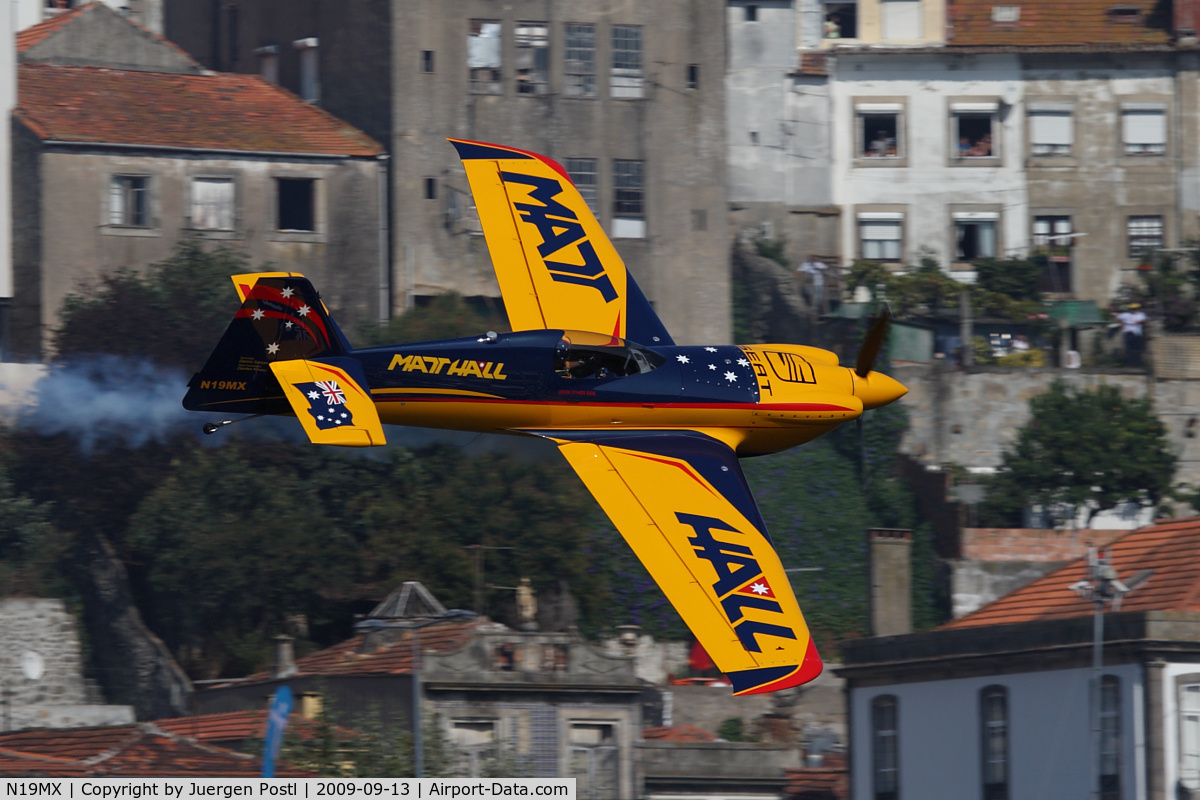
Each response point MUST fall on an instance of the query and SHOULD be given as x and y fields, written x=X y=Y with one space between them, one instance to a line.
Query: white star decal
x=683 y=359
x=258 y=314
x=337 y=422
x=743 y=362
x=712 y=366
x=288 y=324
x=321 y=418
x=711 y=349
x=313 y=395
x=287 y=291
x=759 y=588
x=729 y=376
x=272 y=348
x=303 y=311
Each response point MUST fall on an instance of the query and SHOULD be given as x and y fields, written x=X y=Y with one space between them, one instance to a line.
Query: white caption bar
x=314 y=788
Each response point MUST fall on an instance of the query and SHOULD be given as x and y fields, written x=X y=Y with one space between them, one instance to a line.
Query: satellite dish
x=33 y=665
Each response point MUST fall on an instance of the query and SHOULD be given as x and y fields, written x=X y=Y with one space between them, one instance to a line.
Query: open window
x=879 y=131
x=297 y=204
x=841 y=21
x=976 y=129
x=590 y=356
x=483 y=56
x=975 y=235
x=129 y=201
x=532 y=58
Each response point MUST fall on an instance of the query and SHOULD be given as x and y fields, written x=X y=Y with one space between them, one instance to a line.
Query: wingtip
x=774 y=679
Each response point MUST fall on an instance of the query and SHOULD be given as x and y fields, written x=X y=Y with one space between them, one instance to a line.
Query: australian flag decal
x=327 y=404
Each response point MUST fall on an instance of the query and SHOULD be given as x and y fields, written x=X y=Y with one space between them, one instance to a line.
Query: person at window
x=1020 y=343
x=964 y=147
x=983 y=147
x=1132 y=319
x=833 y=27
x=879 y=146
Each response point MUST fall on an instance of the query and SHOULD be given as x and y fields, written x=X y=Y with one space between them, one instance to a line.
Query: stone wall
x=969 y=418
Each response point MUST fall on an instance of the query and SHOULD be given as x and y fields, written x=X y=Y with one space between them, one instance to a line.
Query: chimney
x=889 y=558
x=1186 y=20
x=285 y=661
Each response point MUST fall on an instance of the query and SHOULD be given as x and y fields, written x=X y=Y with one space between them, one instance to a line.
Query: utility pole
x=1102 y=586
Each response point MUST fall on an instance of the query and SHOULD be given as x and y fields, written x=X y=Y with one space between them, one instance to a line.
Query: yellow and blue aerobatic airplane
x=654 y=429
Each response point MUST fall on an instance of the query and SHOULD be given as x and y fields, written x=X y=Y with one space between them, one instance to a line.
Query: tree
x=31 y=548
x=446 y=316
x=1087 y=450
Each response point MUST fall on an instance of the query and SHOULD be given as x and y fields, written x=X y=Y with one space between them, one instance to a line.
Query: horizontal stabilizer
x=330 y=401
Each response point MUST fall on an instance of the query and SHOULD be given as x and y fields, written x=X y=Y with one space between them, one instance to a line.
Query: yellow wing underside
x=717 y=569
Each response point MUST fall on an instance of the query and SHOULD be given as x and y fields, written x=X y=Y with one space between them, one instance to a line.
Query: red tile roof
x=143 y=750
x=677 y=733
x=830 y=781
x=1170 y=548
x=1056 y=23
x=194 y=112
x=37 y=33
x=234 y=726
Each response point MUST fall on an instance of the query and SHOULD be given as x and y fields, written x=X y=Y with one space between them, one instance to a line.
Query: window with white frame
x=129 y=201
x=975 y=128
x=583 y=174
x=310 y=81
x=1189 y=735
x=580 y=66
x=475 y=740
x=879 y=127
x=1110 y=738
x=901 y=19
x=884 y=748
x=1145 y=235
x=212 y=204
x=532 y=60
x=881 y=235
x=993 y=732
x=593 y=761
x=1051 y=129
x=975 y=234
x=483 y=56
x=627 y=61
x=1144 y=129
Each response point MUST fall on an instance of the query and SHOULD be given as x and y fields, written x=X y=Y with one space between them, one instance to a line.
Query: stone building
x=997 y=703
x=123 y=145
x=628 y=97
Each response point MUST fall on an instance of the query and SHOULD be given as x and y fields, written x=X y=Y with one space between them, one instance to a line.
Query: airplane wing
x=682 y=503
x=330 y=401
x=555 y=265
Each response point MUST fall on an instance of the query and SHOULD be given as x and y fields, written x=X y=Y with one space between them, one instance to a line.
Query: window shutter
x=1141 y=126
x=1051 y=127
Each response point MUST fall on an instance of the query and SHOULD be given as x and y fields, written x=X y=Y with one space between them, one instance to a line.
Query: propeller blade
x=873 y=342
x=862 y=451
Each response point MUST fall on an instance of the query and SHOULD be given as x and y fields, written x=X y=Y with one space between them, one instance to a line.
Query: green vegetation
x=1086 y=450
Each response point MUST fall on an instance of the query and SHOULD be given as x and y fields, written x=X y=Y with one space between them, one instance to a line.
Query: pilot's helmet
x=560 y=349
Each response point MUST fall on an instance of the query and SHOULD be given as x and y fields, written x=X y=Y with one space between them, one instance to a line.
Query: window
x=1189 y=735
x=901 y=19
x=884 y=752
x=310 y=83
x=974 y=129
x=1009 y=14
x=475 y=740
x=128 y=201
x=841 y=21
x=1145 y=235
x=583 y=174
x=1110 y=738
x=627 y=61
x=297 y=204
x=212 y=204
x=1051 y=129
x=993 y=721
x=533 y=58
x=975 y=235
x=232 y=30
x=879 y=130
x=1144 y=129
x=580 y=72
x=483 y=56
x=751 y=12
x=693 y=76
x=431 y=188
x=628 y=200
x=1052 y=241
x=593 y=760
x=268 y=63
x=426 y=61
x=881 y=235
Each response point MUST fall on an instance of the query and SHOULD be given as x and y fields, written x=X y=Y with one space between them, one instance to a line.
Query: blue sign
x=277 y=720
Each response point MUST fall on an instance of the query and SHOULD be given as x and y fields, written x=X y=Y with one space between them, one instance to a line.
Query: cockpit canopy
x=595 y=356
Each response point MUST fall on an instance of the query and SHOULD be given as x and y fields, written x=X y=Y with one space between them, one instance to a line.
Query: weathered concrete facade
x=666 y=120
x=64 y=242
